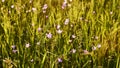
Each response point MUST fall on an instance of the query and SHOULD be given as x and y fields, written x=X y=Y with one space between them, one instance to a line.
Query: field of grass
x=59 y=33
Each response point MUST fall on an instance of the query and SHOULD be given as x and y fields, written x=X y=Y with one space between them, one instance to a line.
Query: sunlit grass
x=56 y=34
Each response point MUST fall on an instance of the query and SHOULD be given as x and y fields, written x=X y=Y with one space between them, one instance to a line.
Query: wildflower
x=99 y=45
x=45 y=7
x=73 y=50
x=64 y=4
x=34 y=9
x=93 y=48
x=85 y=52
x=14 y=51
x=38 y=43
x=96 y=37
x=12 y=6
x=59 y=60
x=66 y=21
x=13 y=46
x=70 y=40
x=58 y=26
x=59 y=31
x=3 y=0
x=27 y=45
x=49 y=35
x=39 y=29
x=44 y=11
x=31 y=60
x=73 y=36
x=111 y=12
x=46 y=16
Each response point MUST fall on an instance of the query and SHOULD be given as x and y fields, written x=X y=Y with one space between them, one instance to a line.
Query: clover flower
x=45 y=7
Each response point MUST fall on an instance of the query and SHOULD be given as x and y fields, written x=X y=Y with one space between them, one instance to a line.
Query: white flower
x=27 y=45
x=3 y=0
x=66 y=21
x=58 y=26
x=39 y=29
x=99 y=45
x=93 y=48
x=49 y=35
x=34 y=9
x=38 y=43
x=73 y=36
x=59 y=31
x=12 y=6
x=45 y=7
x=73 y=50
x=70 y=40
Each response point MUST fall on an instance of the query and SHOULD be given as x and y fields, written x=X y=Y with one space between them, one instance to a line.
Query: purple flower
x=49 y=35
x=85 y=51
x=59 y=60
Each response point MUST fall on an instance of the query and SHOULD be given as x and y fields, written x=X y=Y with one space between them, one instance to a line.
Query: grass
x=88 y=36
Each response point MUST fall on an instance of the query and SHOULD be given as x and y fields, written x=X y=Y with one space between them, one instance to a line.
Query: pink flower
x=49 y=35
x=59 y=60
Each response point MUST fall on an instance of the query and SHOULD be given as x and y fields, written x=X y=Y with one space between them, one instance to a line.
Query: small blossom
x=12 y=6
x=96 y=37
x=111 y=12
x=64 y=4
x=39 y=29
x=45 y=7
x=59 y=31
x=44 y=11
x=66 y=21
x=46 y=16
x=34 y=9
x=93 y=48
x=14 y=51
x=13 y=46
x=38 y=43
x=71 y=25
x=59 y=60
x=58 y=26
x=85 y=51
x=73 y=36
x=70 y=40
x=49 y=35
x=27 y=45
x=99 y=45
x=31 y=60
x=3 y=0
x=73 y=50
x=70 y=0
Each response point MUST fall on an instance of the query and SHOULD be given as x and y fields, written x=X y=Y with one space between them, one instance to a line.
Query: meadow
x=59 y=33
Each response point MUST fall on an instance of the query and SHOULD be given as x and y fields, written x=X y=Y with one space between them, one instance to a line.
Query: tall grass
x=59 y=34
